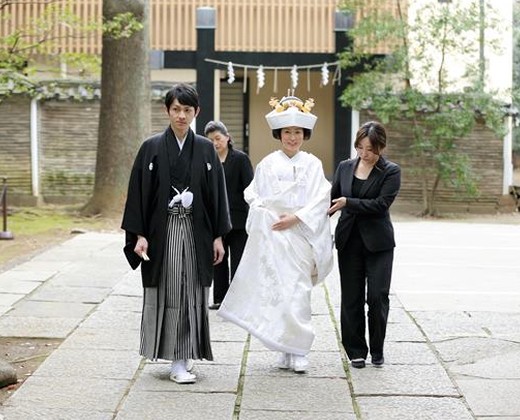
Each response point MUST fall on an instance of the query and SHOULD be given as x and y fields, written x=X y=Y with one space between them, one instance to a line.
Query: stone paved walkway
x=452 y=349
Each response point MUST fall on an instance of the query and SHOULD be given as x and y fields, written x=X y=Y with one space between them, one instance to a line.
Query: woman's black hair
x=376 y=134
x=219 y=126
x=277 y=133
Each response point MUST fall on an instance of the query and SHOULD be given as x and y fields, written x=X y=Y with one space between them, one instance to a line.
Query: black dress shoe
x=378 y=362
x=214 y=306
x=358 y=363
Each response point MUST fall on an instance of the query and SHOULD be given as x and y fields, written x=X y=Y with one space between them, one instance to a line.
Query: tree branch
x=6 y=3
x=405 y=43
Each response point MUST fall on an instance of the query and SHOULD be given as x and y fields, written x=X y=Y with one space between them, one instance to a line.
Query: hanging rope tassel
x=337 y=76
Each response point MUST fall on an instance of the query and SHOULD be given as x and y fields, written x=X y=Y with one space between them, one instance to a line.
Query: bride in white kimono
x=289 y=248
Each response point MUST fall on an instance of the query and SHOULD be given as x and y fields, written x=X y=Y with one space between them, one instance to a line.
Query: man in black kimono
x=175 y=216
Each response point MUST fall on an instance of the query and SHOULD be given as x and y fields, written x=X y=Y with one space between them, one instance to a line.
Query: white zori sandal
x=180 y=374
x=284 y=361
x=300 y=363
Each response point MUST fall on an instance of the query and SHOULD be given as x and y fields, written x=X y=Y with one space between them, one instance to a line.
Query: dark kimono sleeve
x=247 y=172
x=133 y=218
x=221 y=221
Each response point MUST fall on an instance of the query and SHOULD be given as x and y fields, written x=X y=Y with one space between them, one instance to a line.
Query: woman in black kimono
x=175 y=216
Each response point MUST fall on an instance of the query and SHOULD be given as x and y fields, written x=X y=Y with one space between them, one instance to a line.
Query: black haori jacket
x=146 y=209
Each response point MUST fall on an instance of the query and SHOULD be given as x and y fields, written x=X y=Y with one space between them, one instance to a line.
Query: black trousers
x=234 y=243
x=365 y=277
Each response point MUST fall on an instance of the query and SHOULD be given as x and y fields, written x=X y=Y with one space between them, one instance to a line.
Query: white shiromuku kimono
x=270 y=295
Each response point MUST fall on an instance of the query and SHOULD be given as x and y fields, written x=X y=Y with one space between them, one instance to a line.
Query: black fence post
x=5 y=234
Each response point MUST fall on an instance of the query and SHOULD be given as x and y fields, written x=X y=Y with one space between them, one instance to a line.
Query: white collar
x=182 y=141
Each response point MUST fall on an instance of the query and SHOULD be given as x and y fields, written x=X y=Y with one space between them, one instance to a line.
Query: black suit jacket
x=370 y=211
x=239 y=174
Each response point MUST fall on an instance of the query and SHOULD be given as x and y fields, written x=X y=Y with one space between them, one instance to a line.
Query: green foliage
x=39 y=37
x=412 y=83
x=123 y=25
x=516 y=68
x=85 y=64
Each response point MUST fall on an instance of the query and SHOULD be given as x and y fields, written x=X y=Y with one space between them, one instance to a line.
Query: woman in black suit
x=363 y=189
x=239 y=174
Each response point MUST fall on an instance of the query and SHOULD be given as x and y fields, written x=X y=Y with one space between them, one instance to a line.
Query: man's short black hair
x=186 y=95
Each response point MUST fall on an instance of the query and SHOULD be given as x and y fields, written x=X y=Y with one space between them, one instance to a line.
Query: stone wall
x=484 y=151
x=68 y=143
x=15 y=147
x=68 y=132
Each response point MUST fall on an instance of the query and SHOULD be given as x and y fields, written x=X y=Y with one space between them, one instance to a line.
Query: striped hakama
x=175 y=323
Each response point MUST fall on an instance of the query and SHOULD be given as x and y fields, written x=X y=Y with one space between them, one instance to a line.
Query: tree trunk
x=124 y=119
x=424 y=185
x=432 y=206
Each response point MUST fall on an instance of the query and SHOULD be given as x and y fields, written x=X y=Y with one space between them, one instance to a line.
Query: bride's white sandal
x=284 y=362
